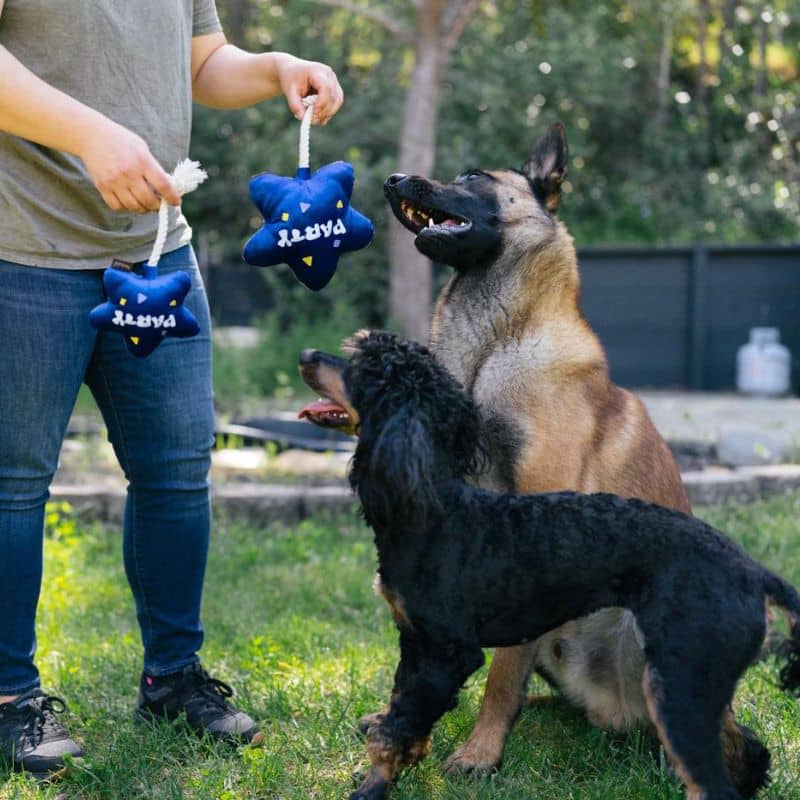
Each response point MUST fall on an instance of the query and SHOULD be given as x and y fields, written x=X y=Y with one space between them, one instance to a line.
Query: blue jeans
x=159 y=415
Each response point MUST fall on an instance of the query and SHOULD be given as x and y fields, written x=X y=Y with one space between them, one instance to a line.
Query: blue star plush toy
x=145 y=307
x=308 y=219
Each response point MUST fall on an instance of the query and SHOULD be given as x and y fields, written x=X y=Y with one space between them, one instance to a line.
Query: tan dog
x=510 y=330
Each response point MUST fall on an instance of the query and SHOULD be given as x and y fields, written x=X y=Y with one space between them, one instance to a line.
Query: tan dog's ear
x=547 y=166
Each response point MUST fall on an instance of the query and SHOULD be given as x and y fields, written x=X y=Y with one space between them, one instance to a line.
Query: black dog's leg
x=407 y=667
x=402 y=736
x=687 y=717
x=747 y=758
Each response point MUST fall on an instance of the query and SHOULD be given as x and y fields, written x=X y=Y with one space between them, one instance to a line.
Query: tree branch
x=456 y=18
x=385 y=21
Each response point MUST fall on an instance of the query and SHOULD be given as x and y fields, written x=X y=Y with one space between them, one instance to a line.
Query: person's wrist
x=92 y=127
x=282 y=61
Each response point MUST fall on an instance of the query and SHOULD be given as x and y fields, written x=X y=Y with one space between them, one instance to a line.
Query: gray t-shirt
x=128 y=59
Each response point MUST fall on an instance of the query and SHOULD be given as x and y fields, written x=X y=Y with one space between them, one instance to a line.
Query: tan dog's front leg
x=502 y=701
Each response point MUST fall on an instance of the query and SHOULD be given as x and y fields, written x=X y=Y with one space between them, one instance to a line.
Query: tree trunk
x=411 y=280
x=701 y=89
x=664 y=60
x=760 y=88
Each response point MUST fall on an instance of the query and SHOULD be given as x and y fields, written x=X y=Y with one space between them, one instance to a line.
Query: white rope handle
x=304 y=159
x=188 y=175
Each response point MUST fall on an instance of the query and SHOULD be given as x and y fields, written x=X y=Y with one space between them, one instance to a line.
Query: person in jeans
x=95 y=105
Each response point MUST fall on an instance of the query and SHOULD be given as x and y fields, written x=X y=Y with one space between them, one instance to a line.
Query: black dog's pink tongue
x=320 y=408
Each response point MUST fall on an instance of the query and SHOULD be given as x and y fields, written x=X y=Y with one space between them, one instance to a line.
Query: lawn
x=293 y=624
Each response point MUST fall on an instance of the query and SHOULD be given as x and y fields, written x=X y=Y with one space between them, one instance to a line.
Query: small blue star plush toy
x=308 y=219
x=145 y=308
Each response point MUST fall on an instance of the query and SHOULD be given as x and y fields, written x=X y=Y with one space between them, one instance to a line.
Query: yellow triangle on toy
x=307 y=260
x=284 y=216
x=122 y=301
x=173 y=303
x=340 y=204
x=135 y=339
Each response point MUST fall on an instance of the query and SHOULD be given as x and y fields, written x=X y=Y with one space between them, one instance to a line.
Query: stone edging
x=744 y=485
x=268 y=503
x=264 y=503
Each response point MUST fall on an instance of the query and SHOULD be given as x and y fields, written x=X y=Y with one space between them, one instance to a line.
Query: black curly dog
x=464 y=568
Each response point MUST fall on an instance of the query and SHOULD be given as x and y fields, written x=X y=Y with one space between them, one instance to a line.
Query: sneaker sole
x=143 y=715
x=51 y=776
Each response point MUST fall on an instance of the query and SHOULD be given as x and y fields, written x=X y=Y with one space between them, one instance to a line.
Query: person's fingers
x=111 y=200
x=129 y=201
x=145 y=195
x=323 y=80
x=294 y=99
x=162 y=184
x=338 y=100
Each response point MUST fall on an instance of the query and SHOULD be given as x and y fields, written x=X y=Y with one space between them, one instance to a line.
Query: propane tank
x=763 y=365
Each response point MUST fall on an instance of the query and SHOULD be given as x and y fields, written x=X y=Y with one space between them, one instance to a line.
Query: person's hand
x=299 y=78
x=124 y=170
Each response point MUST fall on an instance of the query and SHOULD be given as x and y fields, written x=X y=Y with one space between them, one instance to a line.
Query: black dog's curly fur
x=465 y=568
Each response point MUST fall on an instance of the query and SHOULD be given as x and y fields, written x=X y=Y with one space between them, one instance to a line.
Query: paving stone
x=751 y=445
x=680 y=415
x=774 y=479
x=712 y=486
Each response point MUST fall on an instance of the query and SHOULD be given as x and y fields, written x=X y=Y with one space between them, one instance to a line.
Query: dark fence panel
x=667 y=316
x=747 y=288
x=675 y=317
x=636 y=301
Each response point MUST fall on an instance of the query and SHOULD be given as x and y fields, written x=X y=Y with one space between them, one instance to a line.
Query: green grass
x=293 y=624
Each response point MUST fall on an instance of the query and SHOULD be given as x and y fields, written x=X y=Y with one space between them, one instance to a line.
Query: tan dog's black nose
x=393 y=180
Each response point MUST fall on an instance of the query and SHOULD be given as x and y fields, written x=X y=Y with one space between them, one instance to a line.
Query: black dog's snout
x=309 y=356
x=393 y=180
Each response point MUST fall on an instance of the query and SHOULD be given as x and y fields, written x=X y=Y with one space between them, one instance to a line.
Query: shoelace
x=213 y=689
x=40 y=715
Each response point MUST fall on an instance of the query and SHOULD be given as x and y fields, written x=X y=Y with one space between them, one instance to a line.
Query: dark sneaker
x=204 y=701
x=32 y=739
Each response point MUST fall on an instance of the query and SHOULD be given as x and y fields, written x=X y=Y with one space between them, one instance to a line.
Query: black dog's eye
x=470 y=176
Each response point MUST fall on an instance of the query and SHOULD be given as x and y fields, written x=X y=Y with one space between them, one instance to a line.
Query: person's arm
x=119 y=162
x=223 y=76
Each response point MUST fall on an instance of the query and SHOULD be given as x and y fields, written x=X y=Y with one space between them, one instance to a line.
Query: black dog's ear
x=547 y=166
x=401 y=473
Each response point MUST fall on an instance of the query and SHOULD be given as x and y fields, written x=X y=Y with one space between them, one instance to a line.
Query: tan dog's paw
x=479 y=755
